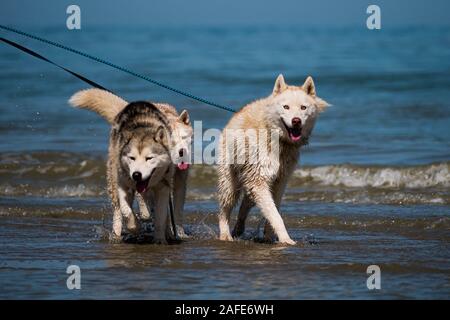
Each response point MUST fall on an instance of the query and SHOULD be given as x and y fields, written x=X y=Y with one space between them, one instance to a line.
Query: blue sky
x=224 y=12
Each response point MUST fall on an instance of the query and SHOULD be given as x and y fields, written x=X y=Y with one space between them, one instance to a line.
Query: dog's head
x=296 y=108
x=145 y=157
x=181 y=141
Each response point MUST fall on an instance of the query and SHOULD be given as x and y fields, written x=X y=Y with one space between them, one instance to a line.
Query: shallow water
x=373 y=186
x=336 y=244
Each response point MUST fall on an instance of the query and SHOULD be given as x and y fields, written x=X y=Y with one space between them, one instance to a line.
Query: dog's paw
x=132 y=224
x=226 y=237
x=146 y=218
x=114 y=238
x=181 y=232
x=144 y=214
x=238 y=231
x=116 y=229
x=287 y=241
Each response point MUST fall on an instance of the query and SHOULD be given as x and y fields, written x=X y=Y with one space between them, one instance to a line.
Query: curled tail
x=100 y=101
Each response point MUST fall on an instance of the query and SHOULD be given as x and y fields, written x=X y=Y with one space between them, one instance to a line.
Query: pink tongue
x=294 y=138
x=183 y=166
x=141 y=186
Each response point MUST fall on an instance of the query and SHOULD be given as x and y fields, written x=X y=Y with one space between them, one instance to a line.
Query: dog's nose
x=296 y=121
x=181 y=152
x=137 y=176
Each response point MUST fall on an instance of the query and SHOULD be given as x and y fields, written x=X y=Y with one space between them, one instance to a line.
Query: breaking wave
x=433 y=175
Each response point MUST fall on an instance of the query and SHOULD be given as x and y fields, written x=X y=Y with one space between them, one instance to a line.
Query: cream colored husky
x=290 y=112
x=109 y=106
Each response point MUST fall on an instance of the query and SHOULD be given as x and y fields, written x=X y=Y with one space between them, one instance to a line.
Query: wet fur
x=139 y=121
x=263 y=183
x=109 y=106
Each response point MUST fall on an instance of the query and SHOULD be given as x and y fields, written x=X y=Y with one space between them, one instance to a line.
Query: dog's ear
x=309 y=87
x=161 y=135
x=184 y=117
x=321 y=104
x=280 y=85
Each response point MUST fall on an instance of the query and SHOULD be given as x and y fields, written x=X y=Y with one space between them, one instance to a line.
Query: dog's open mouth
x=295 y=133
x=183 y=165
x=141 y=186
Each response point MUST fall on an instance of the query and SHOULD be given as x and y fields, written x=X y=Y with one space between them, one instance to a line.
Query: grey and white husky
x=149 y=155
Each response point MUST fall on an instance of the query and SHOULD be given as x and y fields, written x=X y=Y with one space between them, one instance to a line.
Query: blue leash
x=58 y=45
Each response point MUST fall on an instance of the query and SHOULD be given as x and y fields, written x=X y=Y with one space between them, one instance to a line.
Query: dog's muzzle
x=182 y=165
x=294 y=131
x=141 y=185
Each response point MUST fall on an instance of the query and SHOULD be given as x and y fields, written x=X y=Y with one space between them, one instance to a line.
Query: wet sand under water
x=336 y=244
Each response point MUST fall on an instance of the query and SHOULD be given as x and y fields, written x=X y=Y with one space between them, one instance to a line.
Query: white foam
x=379 y=177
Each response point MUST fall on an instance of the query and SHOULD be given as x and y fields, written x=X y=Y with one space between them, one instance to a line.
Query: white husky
x=291 y=112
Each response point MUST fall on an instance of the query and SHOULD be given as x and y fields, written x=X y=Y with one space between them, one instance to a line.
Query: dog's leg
x=179 y=196
x=228 y=195
x=263 y=197
x=161 y=204
x=117 y=215
x=169 y=230
x=111 y=175
x=269 y=233
x=277 y=192
x=117 y=222
x=143 y=207
x=126 y=198
x=246 y=205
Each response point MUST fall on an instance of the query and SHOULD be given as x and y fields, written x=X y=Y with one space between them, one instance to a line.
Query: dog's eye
x=303 y=107
x=132 y=158
x=286 y=107
x=148 y=158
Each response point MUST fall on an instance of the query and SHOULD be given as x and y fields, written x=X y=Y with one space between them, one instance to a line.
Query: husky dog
x=291 y=112
x=109 y=106
x=139 y=161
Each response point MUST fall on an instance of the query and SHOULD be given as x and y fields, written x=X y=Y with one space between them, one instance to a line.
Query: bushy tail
x=100 y=101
